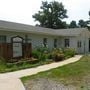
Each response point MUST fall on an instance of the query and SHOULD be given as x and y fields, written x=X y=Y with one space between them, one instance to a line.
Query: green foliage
x=41 y=53
x=22 y=63
x=51 y=15
x=89 y=13
x=50 y=55
x=68 y=52
x=2 y=60
x=35 y=54
x=42 y=56
x=2 y=64
x=43 y=49
x=8 y=67
x=82 y=23
x=57 y=55
x=73 y=24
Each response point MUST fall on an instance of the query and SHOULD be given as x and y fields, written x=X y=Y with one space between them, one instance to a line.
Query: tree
x=51 y=15
x=73 y=24
x=89 y=13
x=88 y=22
x=89 y=16
x=82 y=23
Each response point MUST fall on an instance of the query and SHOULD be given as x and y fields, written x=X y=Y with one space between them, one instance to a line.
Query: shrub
x=57 y=55
x=40 y=53
x=2 y=60
x=49 y=56
x=36 y=54
x=43 y=57
x=42 y=49
x=68 y=52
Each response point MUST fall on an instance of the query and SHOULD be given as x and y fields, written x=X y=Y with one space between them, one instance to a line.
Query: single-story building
x=17 y=39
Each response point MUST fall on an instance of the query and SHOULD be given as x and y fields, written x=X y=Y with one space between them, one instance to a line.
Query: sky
x=21 y=11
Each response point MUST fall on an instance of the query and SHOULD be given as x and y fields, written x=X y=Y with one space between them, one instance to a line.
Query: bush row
x=56 y=54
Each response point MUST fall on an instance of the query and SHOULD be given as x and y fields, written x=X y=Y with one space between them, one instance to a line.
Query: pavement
x=11 y=81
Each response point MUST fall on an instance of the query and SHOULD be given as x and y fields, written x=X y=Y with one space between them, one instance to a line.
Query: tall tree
x=73 y=24
x=89 y=13
x=51 y=15
x=82 y=23
x=88 y=22
x=89 y=16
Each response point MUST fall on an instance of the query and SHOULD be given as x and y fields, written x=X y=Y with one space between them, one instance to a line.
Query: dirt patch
x=46 y=84
x=86 y=82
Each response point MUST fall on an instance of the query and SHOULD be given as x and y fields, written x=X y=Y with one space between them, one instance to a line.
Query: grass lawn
x=77 y=74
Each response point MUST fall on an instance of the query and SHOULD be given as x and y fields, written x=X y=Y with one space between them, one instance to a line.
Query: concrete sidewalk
x=10 y=81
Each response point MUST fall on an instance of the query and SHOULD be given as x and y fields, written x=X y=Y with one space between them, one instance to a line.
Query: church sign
x=17 y=47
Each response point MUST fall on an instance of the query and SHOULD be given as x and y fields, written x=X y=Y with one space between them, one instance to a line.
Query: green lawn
x=77 y=73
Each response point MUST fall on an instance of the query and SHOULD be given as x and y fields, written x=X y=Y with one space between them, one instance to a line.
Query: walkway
x=11 y=81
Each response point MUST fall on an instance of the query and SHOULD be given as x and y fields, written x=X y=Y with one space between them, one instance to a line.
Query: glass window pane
x=2 y=39
x=66 y=42
x=44 y=42
x=55 y=43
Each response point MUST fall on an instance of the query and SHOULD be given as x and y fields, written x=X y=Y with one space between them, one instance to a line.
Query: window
x=55 y=43
x=2 y=39
x=66 y=42
x=45 y=42
x=79 y=44
x=27 y=39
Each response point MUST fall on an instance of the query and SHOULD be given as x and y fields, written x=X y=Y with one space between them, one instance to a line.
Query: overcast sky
x=21 y=11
